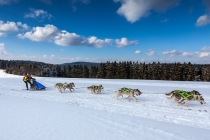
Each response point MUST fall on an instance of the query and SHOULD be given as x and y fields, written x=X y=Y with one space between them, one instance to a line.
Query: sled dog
x=60 y=86
x=95 y=89
x=181 y=96
x=129 y=92
x=69 y=86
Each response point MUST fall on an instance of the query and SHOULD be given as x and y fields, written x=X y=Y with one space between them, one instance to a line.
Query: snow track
x=152 y=104
x=79 y=115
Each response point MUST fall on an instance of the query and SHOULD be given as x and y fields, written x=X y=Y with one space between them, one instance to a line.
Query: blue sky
x=65 y=31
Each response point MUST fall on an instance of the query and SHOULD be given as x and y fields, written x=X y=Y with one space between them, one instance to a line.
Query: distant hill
x=88 y=64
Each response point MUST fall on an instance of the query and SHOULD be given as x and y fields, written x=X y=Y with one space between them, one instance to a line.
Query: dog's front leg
x=186 y=101
x=95 y=91
x=176 y=100
x=169 y=97
x=92 y=91
x=116 y=96
x=181 y=100
x=134 y=98
x=128 y=97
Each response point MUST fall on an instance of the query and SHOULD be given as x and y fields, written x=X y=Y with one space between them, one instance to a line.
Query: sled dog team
x=179 y=96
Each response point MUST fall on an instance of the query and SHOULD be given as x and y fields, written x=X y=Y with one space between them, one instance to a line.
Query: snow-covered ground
x=80 y=115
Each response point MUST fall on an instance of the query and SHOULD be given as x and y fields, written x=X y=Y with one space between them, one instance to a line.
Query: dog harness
x=94 y=87
x=59 y=84
x=185 y=94
x=126 y=89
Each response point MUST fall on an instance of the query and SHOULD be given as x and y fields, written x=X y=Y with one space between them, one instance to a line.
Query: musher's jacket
x=26 y=78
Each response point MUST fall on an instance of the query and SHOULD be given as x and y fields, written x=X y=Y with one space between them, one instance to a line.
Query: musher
x=27 y=79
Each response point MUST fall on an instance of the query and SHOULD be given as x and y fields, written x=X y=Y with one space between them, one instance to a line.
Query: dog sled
x=36 y=85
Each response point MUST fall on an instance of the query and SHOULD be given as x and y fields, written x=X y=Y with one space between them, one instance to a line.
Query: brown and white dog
x=95 y=89
x=60 y=86
x=129 y=92
x=184 y=97
x=69 y=86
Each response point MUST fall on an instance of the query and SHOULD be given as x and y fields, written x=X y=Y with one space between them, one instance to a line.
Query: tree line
x=112 y=70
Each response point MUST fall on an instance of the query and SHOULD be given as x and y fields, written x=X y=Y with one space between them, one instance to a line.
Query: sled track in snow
x=142 y=108
x=151 y=104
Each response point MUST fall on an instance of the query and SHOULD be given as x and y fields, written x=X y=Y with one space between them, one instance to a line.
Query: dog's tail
x=168 y=94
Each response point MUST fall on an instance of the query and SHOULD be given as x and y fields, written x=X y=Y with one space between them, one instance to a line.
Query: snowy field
x=80 y=115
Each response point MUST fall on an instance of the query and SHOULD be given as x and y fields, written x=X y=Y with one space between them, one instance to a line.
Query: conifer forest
x=112 y=70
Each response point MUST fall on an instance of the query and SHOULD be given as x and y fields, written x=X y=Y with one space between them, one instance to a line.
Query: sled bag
x=39 y=85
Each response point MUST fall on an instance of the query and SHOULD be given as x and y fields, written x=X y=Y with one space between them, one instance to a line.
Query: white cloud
x=2 y=49
x=68 y=39
x=125 y=42
x=197 y=54
x=24 y=26
x=46 y=33
x=1 y=44
x=44 y=55
x=150 y=53
x=172 y=53
x=137 y=52
x=7 y=28
x=188 y=54
x=203 y=20
x=204 y=54
x=205 y=48
x=99 y=43
x=64 y=38
x=5 y=2
x=38 y=13
x=134 y=10
x=72 y=39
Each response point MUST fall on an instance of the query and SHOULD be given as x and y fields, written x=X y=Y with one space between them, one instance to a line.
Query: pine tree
x=93 y=71
x=115 y=72
x=135 y=70
x=101 y=71
x=123 y=71
x=109 y=72
x=85 y=72
x=69 y=71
